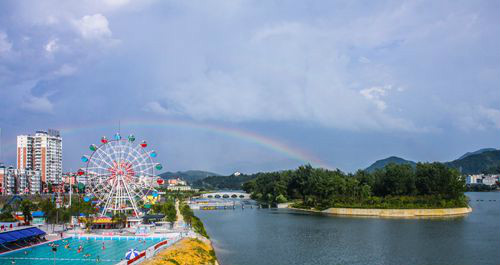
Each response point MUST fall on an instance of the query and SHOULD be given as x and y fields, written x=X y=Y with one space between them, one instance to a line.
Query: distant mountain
x=379 y=164
x=232 y=182
x=486 y=160
x=190 y=175
x=480 y=162
x=480 y=151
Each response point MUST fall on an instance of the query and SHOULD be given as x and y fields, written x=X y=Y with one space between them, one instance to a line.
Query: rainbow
x=247 y=136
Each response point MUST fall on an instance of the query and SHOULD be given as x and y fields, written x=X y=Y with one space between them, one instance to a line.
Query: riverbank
x=398 y=213
x=186 y=251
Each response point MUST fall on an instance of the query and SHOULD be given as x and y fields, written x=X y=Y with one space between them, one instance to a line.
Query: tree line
x=427 y=185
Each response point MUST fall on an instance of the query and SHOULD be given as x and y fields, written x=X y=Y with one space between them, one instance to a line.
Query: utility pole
x=71 y=186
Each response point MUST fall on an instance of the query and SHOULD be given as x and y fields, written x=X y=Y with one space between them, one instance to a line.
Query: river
x=282 y=237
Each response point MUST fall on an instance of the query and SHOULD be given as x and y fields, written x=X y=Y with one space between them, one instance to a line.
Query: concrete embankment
x=399 y=212
x=402 y=213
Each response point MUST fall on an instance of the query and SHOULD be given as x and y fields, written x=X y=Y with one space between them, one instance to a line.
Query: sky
x=254 y=86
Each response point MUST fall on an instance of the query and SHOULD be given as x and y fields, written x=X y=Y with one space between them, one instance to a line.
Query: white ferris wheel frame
x=120 y=192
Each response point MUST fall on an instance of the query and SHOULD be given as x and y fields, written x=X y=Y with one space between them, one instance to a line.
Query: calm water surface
x=275 y=237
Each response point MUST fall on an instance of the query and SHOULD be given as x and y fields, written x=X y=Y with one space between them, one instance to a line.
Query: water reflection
x=278 y=236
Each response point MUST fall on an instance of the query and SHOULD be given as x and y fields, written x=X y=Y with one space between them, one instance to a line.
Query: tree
x=281 y=199
x=395 y=179
x=120 y=218
x=301 y=179
x=438 y=179
x=170 y=212
x=187 y=214
x=49 y=209
x=249 y=186
x=26 y=207
x=88 y=221
x=6 y=215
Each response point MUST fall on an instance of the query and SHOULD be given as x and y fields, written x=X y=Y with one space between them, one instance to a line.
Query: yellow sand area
x=188 y=251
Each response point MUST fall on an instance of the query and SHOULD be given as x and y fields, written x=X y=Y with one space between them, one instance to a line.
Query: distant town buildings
x=41 y=152
x=19 y=181
x=482 y=179
x=177 y=184
x=70 y=178
x=179 y=188
x=38 y=164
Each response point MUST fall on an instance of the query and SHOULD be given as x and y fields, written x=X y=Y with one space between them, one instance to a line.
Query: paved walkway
x=180 y=220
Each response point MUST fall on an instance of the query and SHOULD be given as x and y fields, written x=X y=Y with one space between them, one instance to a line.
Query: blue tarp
x=37 y=231
x=26 y=232
x=15 y=235
x=6 y=237
x=37 y=214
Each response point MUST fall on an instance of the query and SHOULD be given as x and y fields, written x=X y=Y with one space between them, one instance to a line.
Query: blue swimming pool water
x=42 y=255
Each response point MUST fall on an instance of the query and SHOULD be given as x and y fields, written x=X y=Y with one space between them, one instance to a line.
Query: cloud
x=472 y=118
x=51 y=46
x=38 y=104
x=93 y=27
x=491 y=116
x=65 y=70
x=254 y=65
x=116 y=3
x=288 y=72
x=375 y=95
x=5 y=45
x=155 y=107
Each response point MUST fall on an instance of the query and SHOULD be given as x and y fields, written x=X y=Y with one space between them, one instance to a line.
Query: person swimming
x=103 y=246
x=86 y=255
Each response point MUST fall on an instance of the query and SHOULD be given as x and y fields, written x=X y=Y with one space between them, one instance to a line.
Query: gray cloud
x=405 y=71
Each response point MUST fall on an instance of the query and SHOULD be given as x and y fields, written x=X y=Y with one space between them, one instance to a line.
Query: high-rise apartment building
x=41 y=152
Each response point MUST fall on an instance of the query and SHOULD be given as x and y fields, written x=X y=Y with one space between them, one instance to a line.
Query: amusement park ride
x=119 y=174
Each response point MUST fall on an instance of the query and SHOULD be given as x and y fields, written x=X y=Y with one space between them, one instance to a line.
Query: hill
x=231 y=182
x=190 y=175
x=482 y=162
x=480 y=151
x=379 y=164
x=485 y=160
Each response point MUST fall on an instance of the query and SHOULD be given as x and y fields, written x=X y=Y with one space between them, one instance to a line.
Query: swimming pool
x=113 y=252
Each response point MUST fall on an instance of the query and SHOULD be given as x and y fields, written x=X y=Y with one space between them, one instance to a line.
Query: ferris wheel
x=119 y=174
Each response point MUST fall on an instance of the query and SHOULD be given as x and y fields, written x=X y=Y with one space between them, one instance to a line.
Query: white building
x=19 y=181
x=41 y=152
x=179 y=188
x=482 y=179
x=176 y=182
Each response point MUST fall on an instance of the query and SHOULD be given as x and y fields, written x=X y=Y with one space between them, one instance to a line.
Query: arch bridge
x=226 y=195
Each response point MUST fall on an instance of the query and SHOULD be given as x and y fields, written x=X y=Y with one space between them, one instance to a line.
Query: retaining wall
x=399 y=212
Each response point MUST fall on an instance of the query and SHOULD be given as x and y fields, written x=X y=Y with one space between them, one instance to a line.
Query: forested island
x=425 y=186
